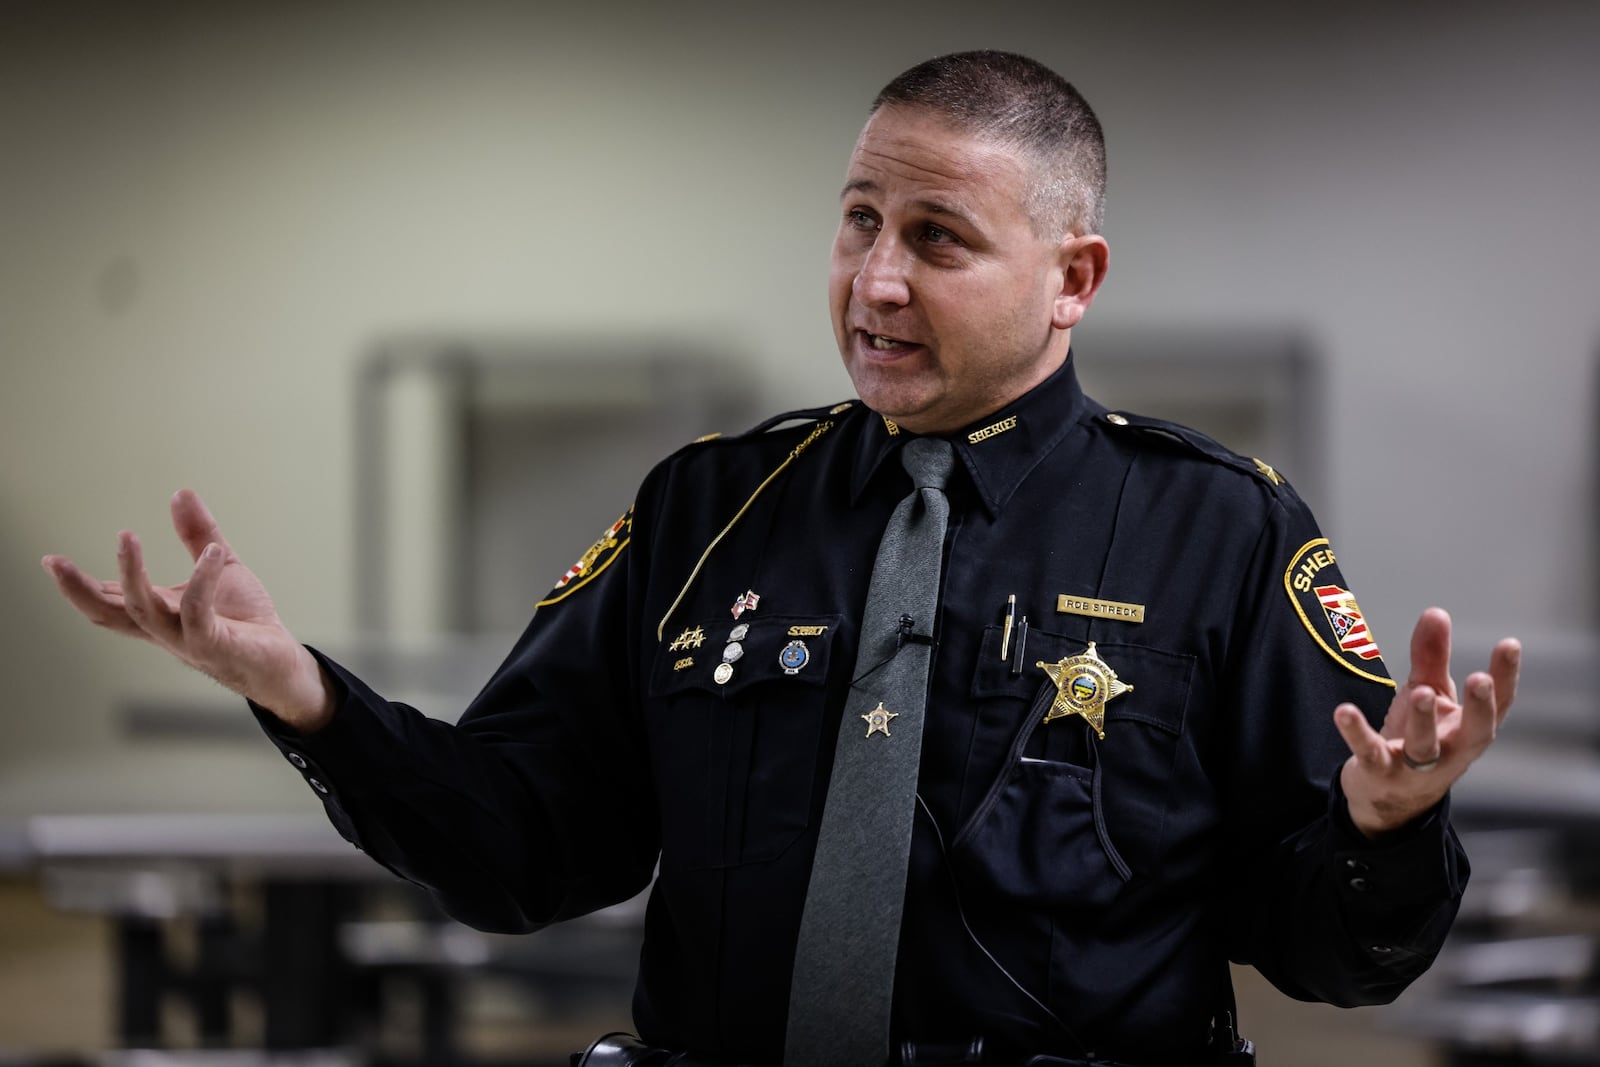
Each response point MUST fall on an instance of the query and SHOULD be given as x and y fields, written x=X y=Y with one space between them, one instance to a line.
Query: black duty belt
x=624 y=1050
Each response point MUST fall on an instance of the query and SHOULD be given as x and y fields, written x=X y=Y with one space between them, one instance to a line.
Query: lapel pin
x=794 y=656
x=746 y=603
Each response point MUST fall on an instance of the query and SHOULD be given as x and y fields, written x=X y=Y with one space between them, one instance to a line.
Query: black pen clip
x=1021 y=643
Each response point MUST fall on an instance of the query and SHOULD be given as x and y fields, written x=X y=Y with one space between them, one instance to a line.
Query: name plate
x=1099 y=609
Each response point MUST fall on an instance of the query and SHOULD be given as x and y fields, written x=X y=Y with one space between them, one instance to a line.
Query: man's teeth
x=881 y=342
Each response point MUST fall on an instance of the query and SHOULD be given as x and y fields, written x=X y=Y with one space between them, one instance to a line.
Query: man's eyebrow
x=931 y=207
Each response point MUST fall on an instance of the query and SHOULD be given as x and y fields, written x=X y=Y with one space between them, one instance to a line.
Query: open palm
x=220 y=620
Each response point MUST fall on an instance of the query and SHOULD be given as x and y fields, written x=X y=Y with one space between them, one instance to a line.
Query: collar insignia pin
x=746 y=603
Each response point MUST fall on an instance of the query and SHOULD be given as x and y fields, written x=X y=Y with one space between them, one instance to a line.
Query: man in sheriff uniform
x=1158 y=733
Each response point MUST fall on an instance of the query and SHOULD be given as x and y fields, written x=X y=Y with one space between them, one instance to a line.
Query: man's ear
x=1083 y=262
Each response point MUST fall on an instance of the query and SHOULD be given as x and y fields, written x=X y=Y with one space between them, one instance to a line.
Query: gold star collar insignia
x=878 y=720
x=1083 y=685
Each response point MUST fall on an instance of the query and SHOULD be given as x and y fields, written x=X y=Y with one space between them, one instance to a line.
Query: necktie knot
x=929 y=461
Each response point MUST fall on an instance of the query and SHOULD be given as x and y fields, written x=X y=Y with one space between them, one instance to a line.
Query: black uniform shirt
x=1066 y=892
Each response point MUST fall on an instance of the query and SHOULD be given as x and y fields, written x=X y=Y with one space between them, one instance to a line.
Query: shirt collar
x=998 y=450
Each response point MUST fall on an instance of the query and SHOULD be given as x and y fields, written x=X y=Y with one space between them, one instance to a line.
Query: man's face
x=946 y=304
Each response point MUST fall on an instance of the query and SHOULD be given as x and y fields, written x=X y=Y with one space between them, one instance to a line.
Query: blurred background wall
x=210 y=213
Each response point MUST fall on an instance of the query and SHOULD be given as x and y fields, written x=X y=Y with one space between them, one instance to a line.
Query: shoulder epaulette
x=784 y=421
x=1192 y=441
x=803 y=415
x=788 y=419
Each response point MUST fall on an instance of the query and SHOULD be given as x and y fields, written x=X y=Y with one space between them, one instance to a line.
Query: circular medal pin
x=738 y=632
x=732 y=653
x=723 y=673
x=794 y=656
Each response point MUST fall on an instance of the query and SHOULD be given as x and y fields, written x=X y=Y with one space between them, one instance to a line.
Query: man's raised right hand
x=220 y=621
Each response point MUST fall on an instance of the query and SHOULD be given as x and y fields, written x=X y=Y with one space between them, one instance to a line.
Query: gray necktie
x=850 y=929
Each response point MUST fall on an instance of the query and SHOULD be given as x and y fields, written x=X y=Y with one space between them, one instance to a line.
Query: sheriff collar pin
x=1083 y=685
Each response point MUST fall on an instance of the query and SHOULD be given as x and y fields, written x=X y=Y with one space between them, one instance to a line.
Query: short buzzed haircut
x=1015 y=101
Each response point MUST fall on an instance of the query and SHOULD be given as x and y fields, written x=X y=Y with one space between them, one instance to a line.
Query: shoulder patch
x=1330 y=612
x=591 y=563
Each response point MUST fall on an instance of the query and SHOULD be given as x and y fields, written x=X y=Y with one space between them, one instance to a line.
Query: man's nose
x=883 y=277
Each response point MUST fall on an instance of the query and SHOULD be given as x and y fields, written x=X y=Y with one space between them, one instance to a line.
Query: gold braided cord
x=820 y=429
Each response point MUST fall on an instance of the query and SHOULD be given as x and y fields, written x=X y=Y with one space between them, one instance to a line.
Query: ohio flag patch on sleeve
x=591 y=563
x=1329 y=610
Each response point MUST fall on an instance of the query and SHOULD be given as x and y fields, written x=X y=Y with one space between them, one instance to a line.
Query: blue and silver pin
x=794 y=656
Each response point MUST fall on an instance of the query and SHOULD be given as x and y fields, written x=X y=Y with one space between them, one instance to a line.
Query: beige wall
x=206 y=216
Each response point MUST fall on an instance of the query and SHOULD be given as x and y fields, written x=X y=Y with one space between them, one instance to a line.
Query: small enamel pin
x=746 y=603
x=878 y=720
x=1083 y=685
x=794 y=656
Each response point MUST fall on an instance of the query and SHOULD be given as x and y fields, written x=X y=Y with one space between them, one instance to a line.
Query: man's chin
x=914 y=419
x=890 y=395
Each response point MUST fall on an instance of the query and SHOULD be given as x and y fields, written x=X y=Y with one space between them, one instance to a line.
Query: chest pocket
x=1071 y=819
x=734 y=736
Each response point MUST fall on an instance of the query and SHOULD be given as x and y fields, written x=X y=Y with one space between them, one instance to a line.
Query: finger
x=1398 y=717
x=1430 y=652
x=1505 y=667
x=99 y=602
x=195 y=526
x=1478 y=713
x=196 y=609
x=1366 y=744
x=1422 y=727
x=144 y=607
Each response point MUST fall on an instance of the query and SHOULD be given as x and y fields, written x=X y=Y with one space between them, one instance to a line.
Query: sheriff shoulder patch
x=591 y=563
x=1329 y=610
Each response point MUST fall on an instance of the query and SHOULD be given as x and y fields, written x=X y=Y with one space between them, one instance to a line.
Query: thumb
x=1366 y=744
x=195 y=526
x=197 y=608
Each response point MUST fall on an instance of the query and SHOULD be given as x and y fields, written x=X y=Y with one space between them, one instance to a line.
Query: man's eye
x=861 y=220
x=938 y=235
